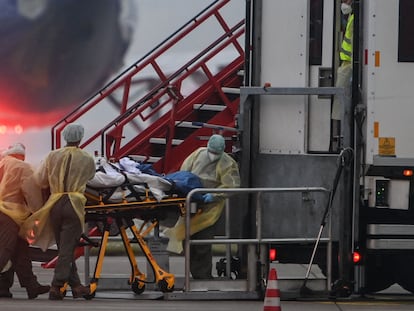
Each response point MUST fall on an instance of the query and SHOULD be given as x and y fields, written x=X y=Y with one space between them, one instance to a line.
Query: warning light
x=408 y=173
x=272 y=254
x=356 y=257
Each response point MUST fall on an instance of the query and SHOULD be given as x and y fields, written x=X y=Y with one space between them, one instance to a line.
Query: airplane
x=54 y=54
x=52 y=61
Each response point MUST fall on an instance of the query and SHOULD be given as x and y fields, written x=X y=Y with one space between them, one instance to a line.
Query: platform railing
x=252 y=275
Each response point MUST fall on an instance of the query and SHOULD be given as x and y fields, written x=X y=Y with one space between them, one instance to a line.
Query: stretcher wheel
x=164 y=286
x=137 y=286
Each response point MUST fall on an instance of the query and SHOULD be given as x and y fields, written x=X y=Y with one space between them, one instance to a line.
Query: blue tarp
x=184 y=182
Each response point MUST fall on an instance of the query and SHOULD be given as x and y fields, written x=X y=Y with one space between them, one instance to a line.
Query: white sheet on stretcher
x=113 y=178
x=157 y=185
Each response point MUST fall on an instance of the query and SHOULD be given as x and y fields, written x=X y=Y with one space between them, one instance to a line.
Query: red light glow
x=356 y=257
x=16 y=121
x=272 y=254
x=408 y=173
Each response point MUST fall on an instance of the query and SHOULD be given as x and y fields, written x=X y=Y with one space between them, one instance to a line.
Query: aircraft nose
x=56 y=54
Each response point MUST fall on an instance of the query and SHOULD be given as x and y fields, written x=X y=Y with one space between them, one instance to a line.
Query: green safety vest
x=346 y=47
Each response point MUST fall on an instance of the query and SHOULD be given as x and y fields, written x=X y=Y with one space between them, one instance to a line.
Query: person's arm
x=351 y=29
x=91 y=168
x=31 y=191
x=187 y=164
x=41 y=175
x=229 y=177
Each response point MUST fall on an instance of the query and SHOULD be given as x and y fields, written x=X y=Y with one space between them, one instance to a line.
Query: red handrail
x=124 y=79
x=151 y=113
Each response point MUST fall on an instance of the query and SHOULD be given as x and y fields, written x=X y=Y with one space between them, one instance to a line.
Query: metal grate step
x=163 y=141
x=209 y=107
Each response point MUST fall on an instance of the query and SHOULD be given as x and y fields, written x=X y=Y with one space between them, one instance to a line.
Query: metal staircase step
x=163 y=141
x=186 y=124
x=197 y=125
x=142 y=158
x=231 y=90
x=209 y=107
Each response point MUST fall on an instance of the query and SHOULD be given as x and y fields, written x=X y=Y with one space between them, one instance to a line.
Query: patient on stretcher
x=124 y=180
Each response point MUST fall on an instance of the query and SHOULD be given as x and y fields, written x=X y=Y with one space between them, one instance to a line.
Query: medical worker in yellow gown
x=19 y=197
x=216 y=169
x=65 y=172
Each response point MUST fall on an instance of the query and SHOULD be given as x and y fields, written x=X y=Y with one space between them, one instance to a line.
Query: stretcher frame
x=122 y=215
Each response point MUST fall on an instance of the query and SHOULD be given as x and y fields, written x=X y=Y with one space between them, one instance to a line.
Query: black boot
x=5 y=293
x=36 y=290
x=6 y=281
x=80 y=291
x=55 y=293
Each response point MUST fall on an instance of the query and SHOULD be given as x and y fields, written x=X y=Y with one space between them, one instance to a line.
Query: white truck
x=287 y=138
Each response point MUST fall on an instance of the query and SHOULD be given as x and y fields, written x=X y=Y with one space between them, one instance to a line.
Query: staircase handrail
x=161 y=88
x=132 y=70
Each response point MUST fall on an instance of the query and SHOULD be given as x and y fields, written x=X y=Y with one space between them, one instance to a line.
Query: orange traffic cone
x=272 y=297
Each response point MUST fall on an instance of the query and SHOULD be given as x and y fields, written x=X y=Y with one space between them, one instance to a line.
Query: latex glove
x=208 y=198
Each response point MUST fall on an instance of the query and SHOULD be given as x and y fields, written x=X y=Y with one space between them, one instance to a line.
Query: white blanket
x=114 y=176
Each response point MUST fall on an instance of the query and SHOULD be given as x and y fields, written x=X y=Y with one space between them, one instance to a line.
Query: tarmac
x=114 y=293
x=116 y=271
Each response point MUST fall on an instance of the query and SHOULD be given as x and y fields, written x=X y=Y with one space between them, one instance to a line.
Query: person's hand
x=208 y=198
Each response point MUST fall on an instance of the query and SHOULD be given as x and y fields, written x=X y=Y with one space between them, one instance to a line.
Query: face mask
x=346 y=8
x=213 y=157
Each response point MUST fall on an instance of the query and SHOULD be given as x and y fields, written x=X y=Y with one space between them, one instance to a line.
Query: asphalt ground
x=107 y=298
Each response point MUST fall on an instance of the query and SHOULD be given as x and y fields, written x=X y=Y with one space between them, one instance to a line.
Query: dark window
x=316 y=24
x=405 y=32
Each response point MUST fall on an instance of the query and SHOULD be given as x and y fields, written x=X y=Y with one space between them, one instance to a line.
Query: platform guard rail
x=252 y=277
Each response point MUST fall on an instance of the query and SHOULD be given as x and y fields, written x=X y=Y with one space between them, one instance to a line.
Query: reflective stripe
x=345 y=55
x=347 y=40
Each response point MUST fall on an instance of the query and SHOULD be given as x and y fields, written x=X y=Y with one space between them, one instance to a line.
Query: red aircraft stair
x=157 y=114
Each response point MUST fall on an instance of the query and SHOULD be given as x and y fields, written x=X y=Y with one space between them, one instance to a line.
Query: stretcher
x=122 y=213
x=115 y=198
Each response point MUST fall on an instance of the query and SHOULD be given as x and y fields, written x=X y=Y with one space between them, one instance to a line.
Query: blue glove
x=208 y=198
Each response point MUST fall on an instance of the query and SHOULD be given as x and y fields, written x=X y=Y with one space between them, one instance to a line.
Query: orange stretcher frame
x=101 y=209
x=122 y=215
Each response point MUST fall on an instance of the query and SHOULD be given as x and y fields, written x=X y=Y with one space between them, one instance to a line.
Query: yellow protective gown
x=19 y=195
x=64 y=171
x=223 y=173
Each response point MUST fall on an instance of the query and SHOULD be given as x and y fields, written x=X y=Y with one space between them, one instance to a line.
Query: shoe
x=55 y=293
x=5 y=293
x=80 y=291
x=33 y=292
